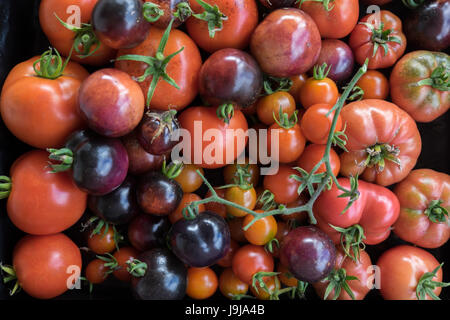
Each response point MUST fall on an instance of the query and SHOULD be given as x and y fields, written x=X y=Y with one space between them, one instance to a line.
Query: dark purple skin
x=339 y=56
x=230 y=76
x=119 y=206
x=428 y=26
x=169 y=7
x=147 y=232
x=119 y=24
x=309 y=254
x=156 y=132
x=157 y=194
x=200 y=242
x=100 y=164
x=165 y=278
x=275 y=4
x=140 y=160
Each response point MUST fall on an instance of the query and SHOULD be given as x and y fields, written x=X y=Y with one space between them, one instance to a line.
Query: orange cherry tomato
x=176 y=215
x=230 y=285
x=318 y=89
x=269 y=106
x=102 y=242
x=262 y=231
x=374 y=84
x=189 y=179
x=312 y=155
x=316 y=124
x=122 y=256
x=291 y=142
x=202 y=283
x=243 y=197
x=272 y=284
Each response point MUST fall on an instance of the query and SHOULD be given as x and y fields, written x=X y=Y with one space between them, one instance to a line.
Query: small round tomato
x=283 y=187
x=271 y=283
x=251 y=259
x=316 y=125
x=374 y=84
x=226 y=261
x=102 y=242
x=96 y=272
x=236 y=232
x=297 y=82
x=262 y=231
x=123 y=255
x=41 y=202
x=202 y=283
x=407 y=273
x=250 y=173
x=44 y=265
x=268 y=107
x=319 y=89
x=289 y=140
x=176 y=215
x=230 y=285
x=313 y=154
x=234 y=24
x=245 y=197
x=189 y=179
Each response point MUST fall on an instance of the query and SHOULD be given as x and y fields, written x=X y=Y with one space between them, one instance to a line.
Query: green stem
x=5 y=187
x=212 y=15
x=152 y=12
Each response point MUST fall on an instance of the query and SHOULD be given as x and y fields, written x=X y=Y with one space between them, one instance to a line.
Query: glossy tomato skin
x=111 y=102
x=244 y=197
x=286 y=43
x=318 y=91
x=62 y=38
x=102 y=242
x=50 y=105
x=371 y=122
x=202 y=283
x=282 y=185
x=165 y=278
x=249 y=260
x=169 y=7
x=309 y=254
x=38 y=258
x=360 y=269
x=236 y=31
x=415 y=194
x=56 y=203
x=146 y=232
x=335 y=23
x=123 y=255
x=339 y=56
x=271 y=104
x=313 y=154
x=262 y=231
x=189 y=179
x=230 y=76
x=157 y=194
x=187 y=199
x=401 y=268
x=119 y=206
x=363 y=46
x=374 y=84
x=230 y=285
x=200 y=242
x=119 y=24
x=376 y=210
x=231 y=146
x=100 y=164
x=291 y=142
x=424 y=103
x=96 y=272
x=183 y=69
x=316 y=125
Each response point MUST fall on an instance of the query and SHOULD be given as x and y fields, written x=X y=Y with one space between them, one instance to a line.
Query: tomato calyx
x=435 y=212
x=426 y=285
x=379 y=153
x=286 y=121
x=225 y=112
x=351 y=238
x=51 y=65
x=326 y=4
x=307 y=180
x=438 y=78
x=64 y=156
x=84 y=39
x=5 y=187
x=321 y=72
x=212 y=15
x=156 y=65
x=356 y=94
x=266 y=200
x=102 y=224
x=269 y=246
x=165 y=119
x=152 y=12
x=340 y=139
x=172 y=170
x=381 y=37
x=274 y=84
x=136 y=268
x=10 y=276
x=183 y=11
x=110 y=264
x=338 y=279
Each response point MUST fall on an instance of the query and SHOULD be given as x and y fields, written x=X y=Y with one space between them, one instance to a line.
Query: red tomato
x=46 y=266
x=313 y=154
x=401 y=269
x=374 y=84
x=189 y=179
x=96 y=271
x=42 y=202
x=75 y=13
x=123 y=255
x=228 y=145
x=319 y=89
x=202 y=283
x=102 y=242
x=290 y=142
x=282 y=185
x=242 y=19
x=249 y=260
x=50 y=105
x=268 y=107
x=316 y=125
x=227 y=260
x=176 y=215
x=183 y=68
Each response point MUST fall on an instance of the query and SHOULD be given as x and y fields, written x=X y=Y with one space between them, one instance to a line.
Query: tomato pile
x=333 y=91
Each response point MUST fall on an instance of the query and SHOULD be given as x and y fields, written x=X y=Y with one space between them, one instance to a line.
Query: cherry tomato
x=176 y=215
x=236 y=232
x=243 y=197
x=316 y=125
x=297 y=82
x=102 y=242
x=313 y=154
x=96 y=272
x=216 y=207
x=230 y=172
x=123 y=255
x=291 y=142
x=319 y=89
x=189 y=179
x=42 y=202
x=374 y=84
x=269 y=106
x=202 y=283
x=230 y=285
x=43 y=264
x=272 y=284
x=283 y=187
x=262 y=231
x=241 y=21
x=249 y=260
